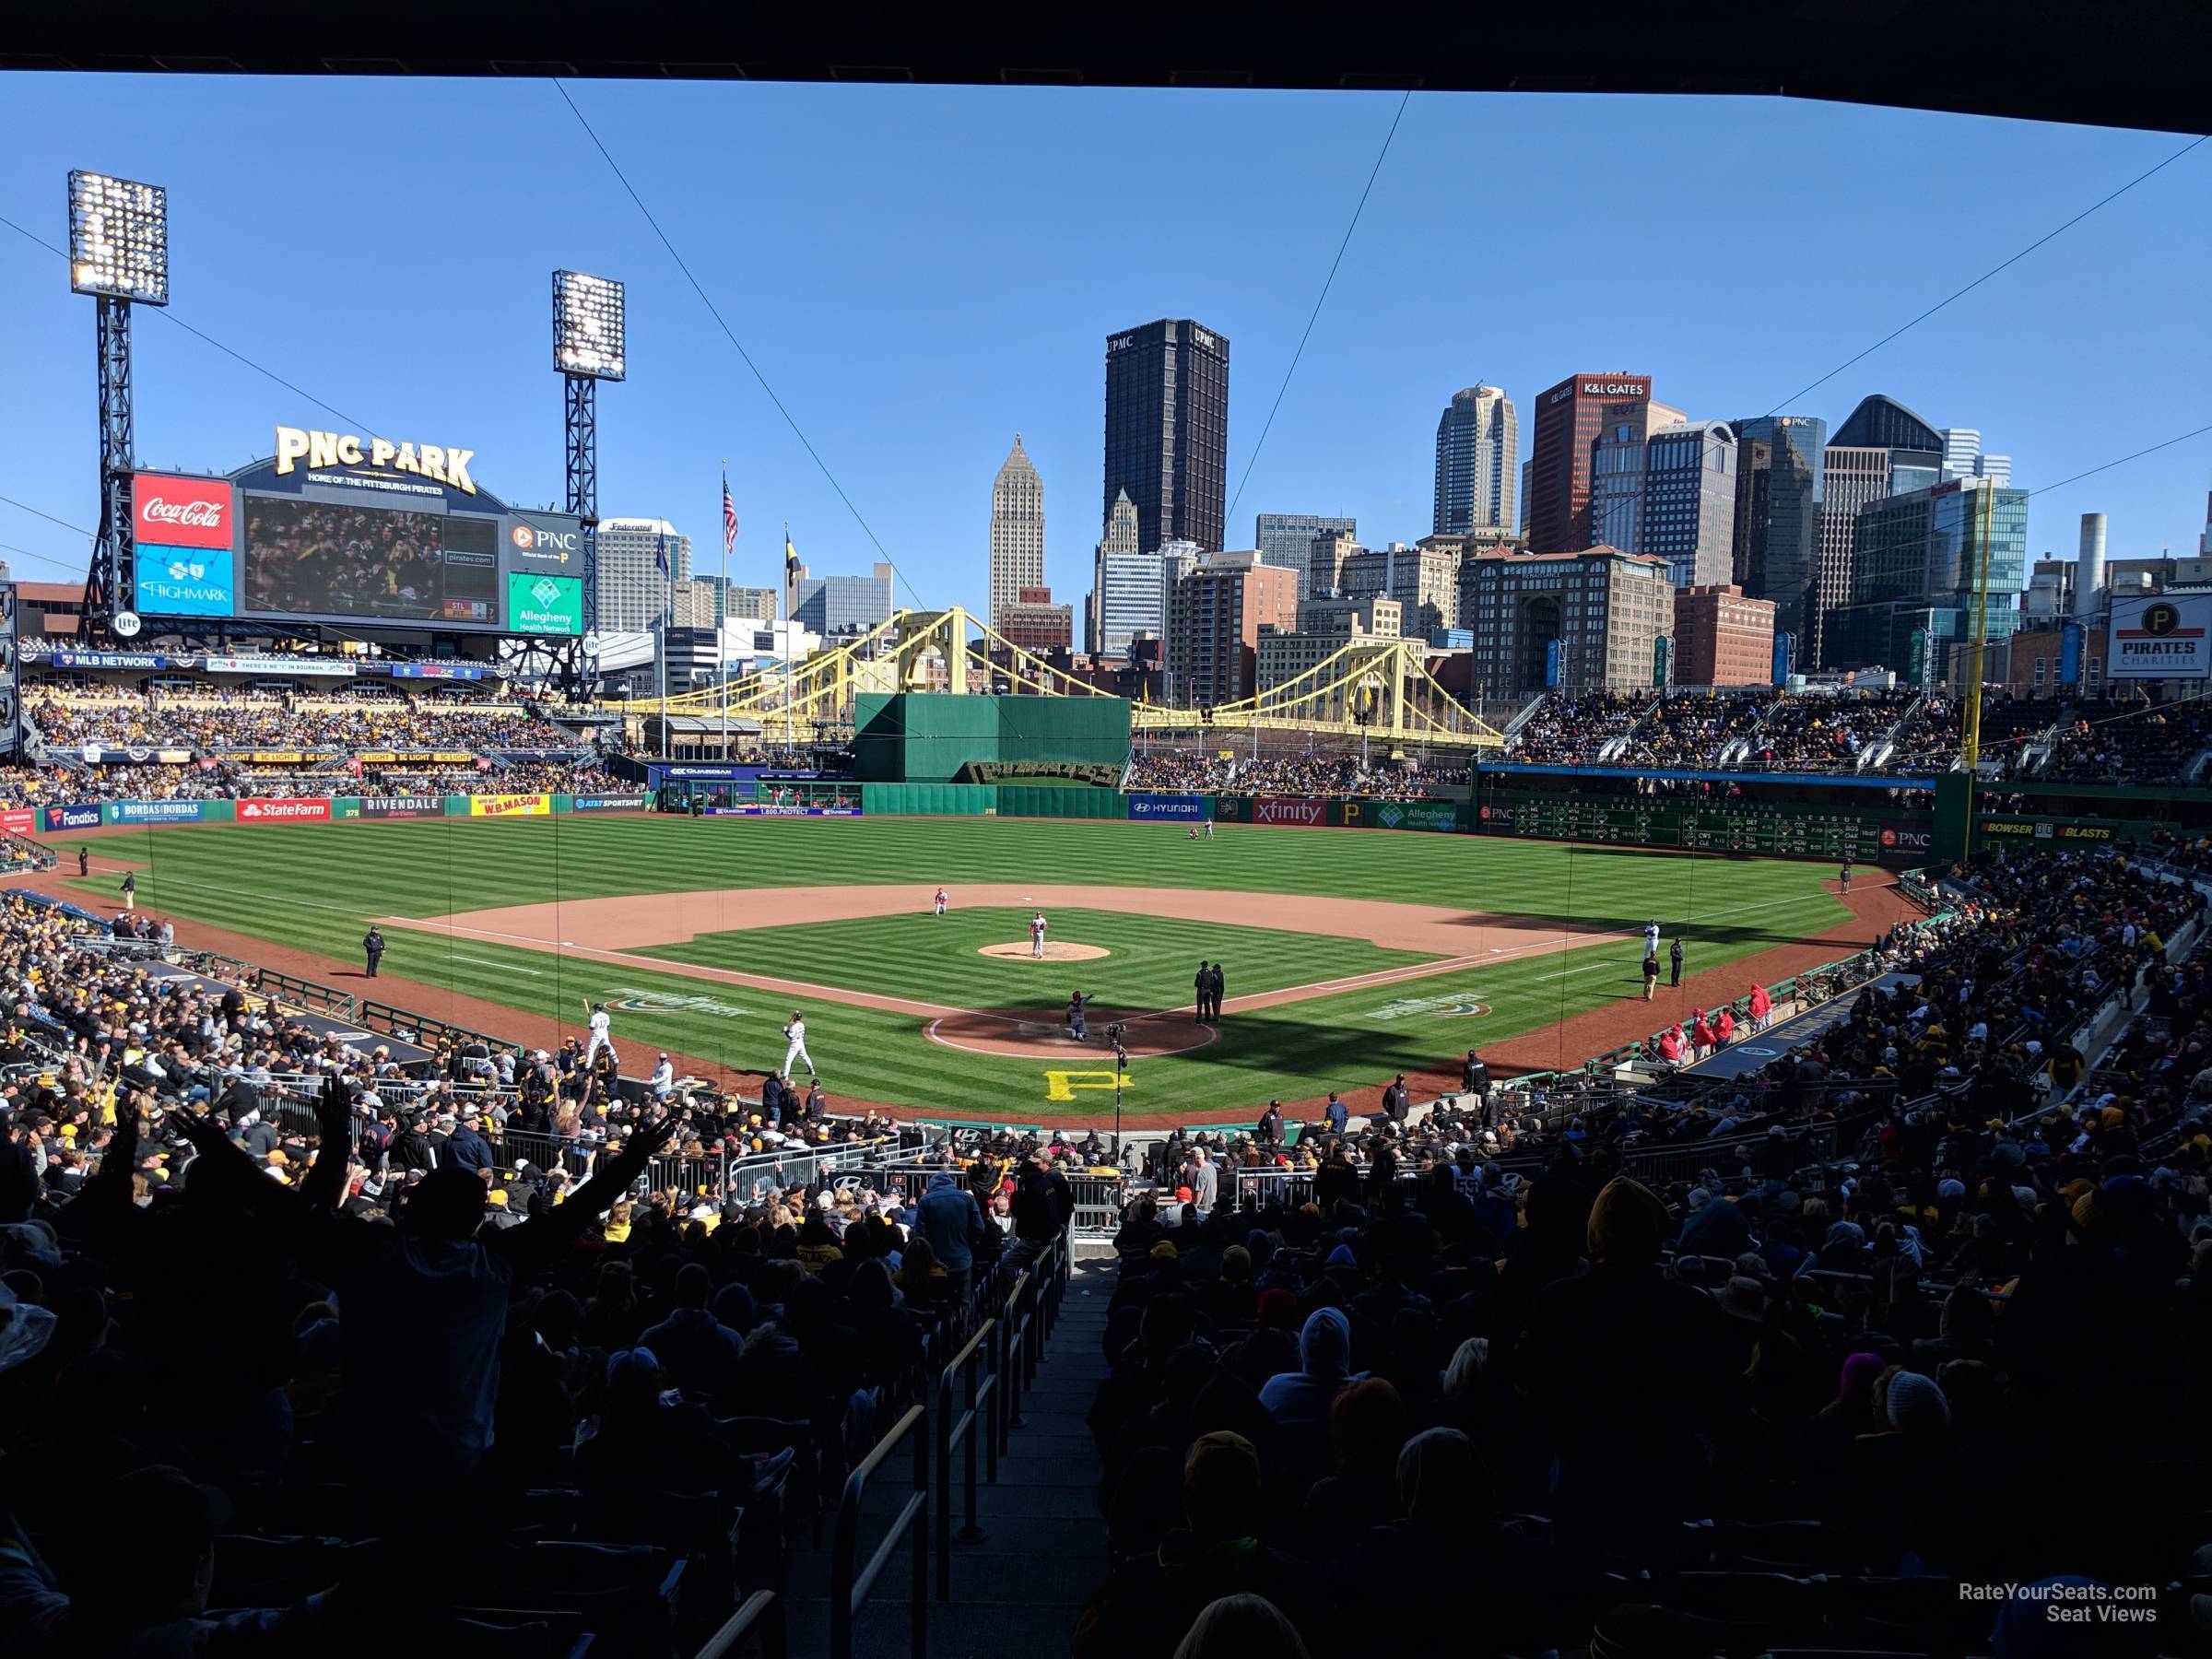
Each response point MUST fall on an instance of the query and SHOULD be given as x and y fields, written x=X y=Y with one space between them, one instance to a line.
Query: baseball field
x=1348 y=955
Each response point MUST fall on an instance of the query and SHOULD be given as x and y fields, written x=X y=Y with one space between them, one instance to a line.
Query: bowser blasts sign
x=183 y=529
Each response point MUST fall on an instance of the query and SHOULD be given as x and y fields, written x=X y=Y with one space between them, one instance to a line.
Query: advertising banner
x=1402 y=815
x=132 y=754
x=316 y=667
x=755 y=810
x=2169 y=638
x=1551 y=664
x=609 y=803
x=2044 y=829
x=184 y=582
x=156 y=812
x=257 y=809
x=1917 y=658
x=2069 y=654
x=544 y=605
x=1295 y=810
x=1782 y=643
x=444 y=671
x=21 y=820
x=1232 y=809
x=85 y=816
x=401 y=806
x=184 y=513
x=1906 y=841
x=118 y=659
x=1177 y=807
x=1496 y=819
x=510 y=805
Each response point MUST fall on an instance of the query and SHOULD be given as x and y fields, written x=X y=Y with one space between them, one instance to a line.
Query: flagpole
x=791 y=595
x=722 y=649
x=667 y=609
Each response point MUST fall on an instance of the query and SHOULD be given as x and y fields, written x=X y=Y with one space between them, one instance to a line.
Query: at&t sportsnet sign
x=2166 y=638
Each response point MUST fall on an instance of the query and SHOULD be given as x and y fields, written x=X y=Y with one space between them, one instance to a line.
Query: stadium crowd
x=1199 y=771
x=1786 y=1402
x=241 y=720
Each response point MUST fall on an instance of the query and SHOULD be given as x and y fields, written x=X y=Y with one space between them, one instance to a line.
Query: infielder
x=1078 y=1017
x=944 y=898
x=1037 y=928
x=602 y=1027
x=794 y=1036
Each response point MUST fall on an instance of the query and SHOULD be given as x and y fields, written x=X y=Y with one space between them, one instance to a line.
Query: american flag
x=729 y=518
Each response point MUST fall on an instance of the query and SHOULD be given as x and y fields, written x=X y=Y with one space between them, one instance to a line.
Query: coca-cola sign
x=181 y=513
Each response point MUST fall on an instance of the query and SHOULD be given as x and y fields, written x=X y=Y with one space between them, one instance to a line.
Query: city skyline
x=1354 y=433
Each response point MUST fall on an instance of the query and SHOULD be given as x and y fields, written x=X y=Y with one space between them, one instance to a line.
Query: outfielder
x=795 y=1035
x=601 y=1027
x=1037 y=928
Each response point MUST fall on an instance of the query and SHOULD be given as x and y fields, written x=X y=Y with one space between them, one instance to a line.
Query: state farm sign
x=284 y=812
x=170 y=512
x=1286 y=810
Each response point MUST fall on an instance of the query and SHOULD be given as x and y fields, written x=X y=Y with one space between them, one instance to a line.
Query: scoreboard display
x=1824 y=833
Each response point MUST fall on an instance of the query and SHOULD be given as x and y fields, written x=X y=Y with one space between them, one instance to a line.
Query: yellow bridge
x=1373 y=687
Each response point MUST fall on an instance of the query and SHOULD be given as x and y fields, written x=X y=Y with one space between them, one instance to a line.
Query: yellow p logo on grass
x=1061 y=1084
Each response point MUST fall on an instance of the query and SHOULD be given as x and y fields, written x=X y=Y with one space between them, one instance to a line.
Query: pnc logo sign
x=544 y=543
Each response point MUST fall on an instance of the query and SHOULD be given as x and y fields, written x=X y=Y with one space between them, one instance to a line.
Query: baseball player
x=600 y=1025
x=944 y=898
x=1037 y=928
x=1078 y=1017
x=794 y=1037
x=1651 y=938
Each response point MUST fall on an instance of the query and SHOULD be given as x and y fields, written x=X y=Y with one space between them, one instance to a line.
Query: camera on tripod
x=1117 y=1034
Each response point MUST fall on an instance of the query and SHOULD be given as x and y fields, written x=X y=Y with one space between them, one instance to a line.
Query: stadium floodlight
x=587 y=325
x=117 y=239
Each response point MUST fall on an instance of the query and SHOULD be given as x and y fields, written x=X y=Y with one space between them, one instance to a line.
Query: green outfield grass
x=1153 y=962
x=313 y=888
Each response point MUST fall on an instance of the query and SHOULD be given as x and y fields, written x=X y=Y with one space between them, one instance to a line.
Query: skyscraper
x=1963 y=458
x=1571 y=417
x=1917 y=564
x=1128 y=596
x=1016 y=530
x=634 y=594
x=1478 y=453
x=843 y=604
x=1214 y=615
x=1285 y=539
x=1167 y=432
x=1689 y=502
x=1786 y=536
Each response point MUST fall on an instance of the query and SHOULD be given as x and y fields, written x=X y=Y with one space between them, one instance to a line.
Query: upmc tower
x=1571 y=418
x=1167 y=432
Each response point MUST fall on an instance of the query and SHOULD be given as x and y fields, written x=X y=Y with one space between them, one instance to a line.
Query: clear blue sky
x=923 y=272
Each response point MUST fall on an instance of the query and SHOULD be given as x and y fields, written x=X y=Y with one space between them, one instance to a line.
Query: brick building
x=1722 y=637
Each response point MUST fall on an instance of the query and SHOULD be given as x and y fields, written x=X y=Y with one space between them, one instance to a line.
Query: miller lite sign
x=171 y=511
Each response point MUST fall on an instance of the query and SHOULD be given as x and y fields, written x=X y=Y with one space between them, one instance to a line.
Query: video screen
x=317 y=558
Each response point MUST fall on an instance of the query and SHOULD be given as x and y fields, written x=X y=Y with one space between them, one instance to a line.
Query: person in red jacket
x=1761 y=1006
x=1670 y=1046
x=1700 y=1035
x=1724 y=1028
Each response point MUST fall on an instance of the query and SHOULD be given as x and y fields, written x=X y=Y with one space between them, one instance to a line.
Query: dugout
x=937 y=737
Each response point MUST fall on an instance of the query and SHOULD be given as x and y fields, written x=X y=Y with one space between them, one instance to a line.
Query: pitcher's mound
x=1055 y=950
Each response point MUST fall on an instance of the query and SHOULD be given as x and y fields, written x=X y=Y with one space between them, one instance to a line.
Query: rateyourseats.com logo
x=544 y=590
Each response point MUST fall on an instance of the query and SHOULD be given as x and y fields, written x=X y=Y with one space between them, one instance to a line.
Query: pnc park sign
x=321 y=451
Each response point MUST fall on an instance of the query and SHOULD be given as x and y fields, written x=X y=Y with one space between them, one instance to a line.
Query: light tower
x=119 y=254
x=588 y=345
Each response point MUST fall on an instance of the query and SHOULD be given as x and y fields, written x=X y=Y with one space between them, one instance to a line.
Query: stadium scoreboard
x=1779 y=831
x=354 y=532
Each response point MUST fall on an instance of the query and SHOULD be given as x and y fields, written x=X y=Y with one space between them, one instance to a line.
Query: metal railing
x=848 y=1588
x=759 y=1629
x=964 y=1433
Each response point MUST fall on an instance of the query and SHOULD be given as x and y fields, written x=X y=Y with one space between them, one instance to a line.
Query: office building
x=633 y=595
x=1424 y=581
x=1722 y=637
x=1286 y=539
x=692 y=605
x=1370 y=614
x=1782 y=540
x=1571 y=418
x=843 y=604
x=1914 y=447
x=1215 y=617
x=1689 y=512
x=1016 y=530
x=1916 y=564
x=1126 y=598
x=1600 y=612
x=1882 y=449
x=1477 y=458
x=1527 y=472
x=1033 y=623
x=1284 y=657
x=750 y=604
x=1963 y=457
x=1325 y=561
x=1167 y=432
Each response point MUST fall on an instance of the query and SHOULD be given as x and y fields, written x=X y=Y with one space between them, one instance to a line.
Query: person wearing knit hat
x=1628 y=1225
x=1914 y=1405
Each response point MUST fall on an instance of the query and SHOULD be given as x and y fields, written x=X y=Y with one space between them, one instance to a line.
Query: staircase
x=1017 y=1590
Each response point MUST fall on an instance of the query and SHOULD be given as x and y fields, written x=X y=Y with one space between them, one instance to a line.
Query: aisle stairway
x=1043 y=1549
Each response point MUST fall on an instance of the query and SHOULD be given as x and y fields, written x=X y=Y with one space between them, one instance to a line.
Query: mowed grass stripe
x=1153 y=963
x=314 y=886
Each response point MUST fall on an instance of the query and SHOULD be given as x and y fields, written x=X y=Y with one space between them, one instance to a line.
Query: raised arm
x=543 y=1239
x=324 y=1187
